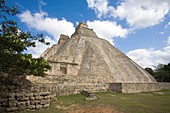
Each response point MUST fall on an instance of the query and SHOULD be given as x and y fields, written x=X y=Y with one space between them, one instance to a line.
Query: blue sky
x=139 y=28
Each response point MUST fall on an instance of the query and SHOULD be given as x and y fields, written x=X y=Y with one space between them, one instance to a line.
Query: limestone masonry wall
x=138 y=87
x=66 y=89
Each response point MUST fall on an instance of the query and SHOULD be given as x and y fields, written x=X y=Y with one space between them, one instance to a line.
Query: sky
x=139 y=28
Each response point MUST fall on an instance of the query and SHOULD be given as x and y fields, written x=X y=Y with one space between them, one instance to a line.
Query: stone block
x=32 y=98
x=20 y=94
x=4 y=104
x=11 y=95
x=38 y=97
x=27 y=103
x=3 y=100
x=21 y=103
x=22 y=106
x=47 y=97
x=44 y=93
x=31 y=106
x=35 y=102
x=39 y=106
x=45 y=102
x=11 y=98
x=46 y=106
x=29 y=94
x=23 y=98
x=10 y=109
x=2 y=109
x=35 y=94
x=12 y=103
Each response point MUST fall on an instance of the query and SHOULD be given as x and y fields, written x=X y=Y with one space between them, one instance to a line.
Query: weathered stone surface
x=29 y=94
x=4 y=104
x=3 y=100
x=46 y=105
x=45 y=102
x=44 y=93
x=39 y=106
x=35 y=94
x=19 y=95
x=21 y=103
x=48 y=97
x=35 y=102
x=31 y=107
x=89 y=96
x=12 y=103
x=32 y=98
x=10 y=109
x=11 y=98
x=27 y=103
x=38 y=97
x=2 y=109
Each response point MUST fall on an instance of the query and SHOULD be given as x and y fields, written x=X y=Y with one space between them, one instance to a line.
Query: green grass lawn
x=152 y=102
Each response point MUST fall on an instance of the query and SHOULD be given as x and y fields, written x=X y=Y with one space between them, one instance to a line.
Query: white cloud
x=107 y=29
x=40 y=47
x=142 y=13
x=137 y=13
x=100 y=7
x=41 y=22
x=151 y=57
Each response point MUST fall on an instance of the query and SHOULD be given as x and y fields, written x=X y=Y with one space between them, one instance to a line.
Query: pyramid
x=86 y=58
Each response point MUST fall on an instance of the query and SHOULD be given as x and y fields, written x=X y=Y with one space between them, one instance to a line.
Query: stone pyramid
x=86 y=58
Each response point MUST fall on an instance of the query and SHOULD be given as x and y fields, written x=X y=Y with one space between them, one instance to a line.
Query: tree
x=162 y=72
x=13 y=42
x=150 y=71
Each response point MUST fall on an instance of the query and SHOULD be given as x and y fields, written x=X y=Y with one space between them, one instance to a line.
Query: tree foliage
x=161 y=72
x=150 y=71
x=13 y=42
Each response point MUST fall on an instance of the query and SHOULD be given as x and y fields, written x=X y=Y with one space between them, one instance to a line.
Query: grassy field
x=152 y=102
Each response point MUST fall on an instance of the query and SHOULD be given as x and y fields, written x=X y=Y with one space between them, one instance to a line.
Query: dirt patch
x=101 y=109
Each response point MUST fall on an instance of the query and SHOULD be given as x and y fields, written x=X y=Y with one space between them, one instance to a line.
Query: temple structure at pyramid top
x=86 y=58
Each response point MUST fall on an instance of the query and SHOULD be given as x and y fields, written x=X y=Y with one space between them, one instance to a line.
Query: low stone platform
x=138 y=87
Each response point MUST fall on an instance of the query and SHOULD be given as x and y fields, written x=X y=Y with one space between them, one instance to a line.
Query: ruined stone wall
x=18 y=94
x=24 y=101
